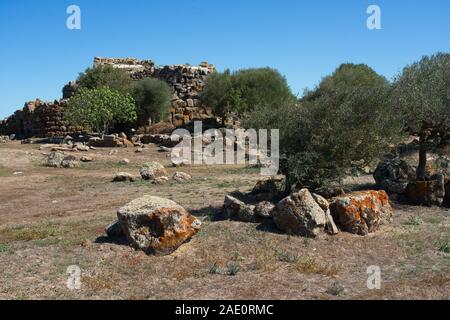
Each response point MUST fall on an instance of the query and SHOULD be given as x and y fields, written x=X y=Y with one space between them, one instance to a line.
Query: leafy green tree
x=348 y=75
x=100 y=109
x=105 y=76
x=220 y=94
x=152 y=98
x=340 y=132
x=422 y=94
x=261 y=86
x=245 y=90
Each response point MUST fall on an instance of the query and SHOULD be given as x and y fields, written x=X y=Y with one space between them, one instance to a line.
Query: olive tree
x=339 y=132
x=100 y=109
x=422 y=94
x=152 y=98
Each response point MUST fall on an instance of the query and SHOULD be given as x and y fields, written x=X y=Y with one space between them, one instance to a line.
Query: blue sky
x=304 y=39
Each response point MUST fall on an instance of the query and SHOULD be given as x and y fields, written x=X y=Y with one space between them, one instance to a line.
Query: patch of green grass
x=444 y=246
x=30 y=232
x=6 y=248
x=233 y=268
x=414 y=221
x=4 y=172
x=336 y=289
x=213 y=268
x=309 y=265
x=284 y=256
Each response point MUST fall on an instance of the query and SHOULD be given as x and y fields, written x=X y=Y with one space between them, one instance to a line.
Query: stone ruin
x=44 y=119
x=38 y=119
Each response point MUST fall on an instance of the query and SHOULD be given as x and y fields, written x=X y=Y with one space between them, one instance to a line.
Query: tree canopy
x=152 y=98
x=100 y=109
x=339 y=132
x=421 y=93
x=244 y=90
x=105 y=76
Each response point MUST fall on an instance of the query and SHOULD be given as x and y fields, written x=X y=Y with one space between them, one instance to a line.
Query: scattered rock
x=70 y=162
x=269 y=189
x=331 y=227
x=238 y=210
x=265 y=209
x=393 y=175
x=54 y=159
x=124 y=162
x=299 y=214
x=152 y=171
x=427 y=193
x=181 y=177
x=123 y=177
x=82 y=148
x=362 y=212
x=86 y=159
x=160 y=180
x=156 y=225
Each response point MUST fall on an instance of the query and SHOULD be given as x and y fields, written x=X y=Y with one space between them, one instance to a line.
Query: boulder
x=123 y=177
x=264 y=209
x=427 y=193
x=156 y=225
x=238 y=210
x=124 y=162
x=70 y=162
x=393 y=175
x=152 y=171
x=362 y=212
x=86 y=159
x=181 y=177
x=54 y=159
x=269 y=189
x=299 y=214
x=325 y=205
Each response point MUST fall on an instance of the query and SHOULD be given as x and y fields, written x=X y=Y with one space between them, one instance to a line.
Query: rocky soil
x=53 y=218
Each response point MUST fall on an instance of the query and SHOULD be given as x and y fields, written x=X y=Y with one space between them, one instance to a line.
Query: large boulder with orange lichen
x=156 y=225
x=362 y=212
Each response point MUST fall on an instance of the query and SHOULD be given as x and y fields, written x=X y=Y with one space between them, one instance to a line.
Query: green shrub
x=105 y=76
x=152 y=98
x=244 y=90
x=100 y=109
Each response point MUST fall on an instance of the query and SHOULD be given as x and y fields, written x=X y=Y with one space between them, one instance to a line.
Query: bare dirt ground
x=53 y=218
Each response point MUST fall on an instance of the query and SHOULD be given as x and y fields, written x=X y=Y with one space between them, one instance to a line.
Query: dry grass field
x=53 y=218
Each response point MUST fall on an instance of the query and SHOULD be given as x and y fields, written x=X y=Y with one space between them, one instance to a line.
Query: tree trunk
x=422 y=168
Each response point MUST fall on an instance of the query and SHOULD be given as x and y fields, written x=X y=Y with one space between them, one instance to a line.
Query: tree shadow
x=118 y=240
x=211 y=213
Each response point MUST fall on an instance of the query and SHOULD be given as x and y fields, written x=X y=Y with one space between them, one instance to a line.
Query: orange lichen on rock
x=156 y=225
x=362 y=212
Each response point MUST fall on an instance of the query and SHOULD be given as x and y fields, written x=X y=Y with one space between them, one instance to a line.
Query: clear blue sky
x=304 y=39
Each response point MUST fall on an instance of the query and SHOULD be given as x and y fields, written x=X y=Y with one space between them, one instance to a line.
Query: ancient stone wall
x=38 y=119
x=44 y=119
x=185 y=80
